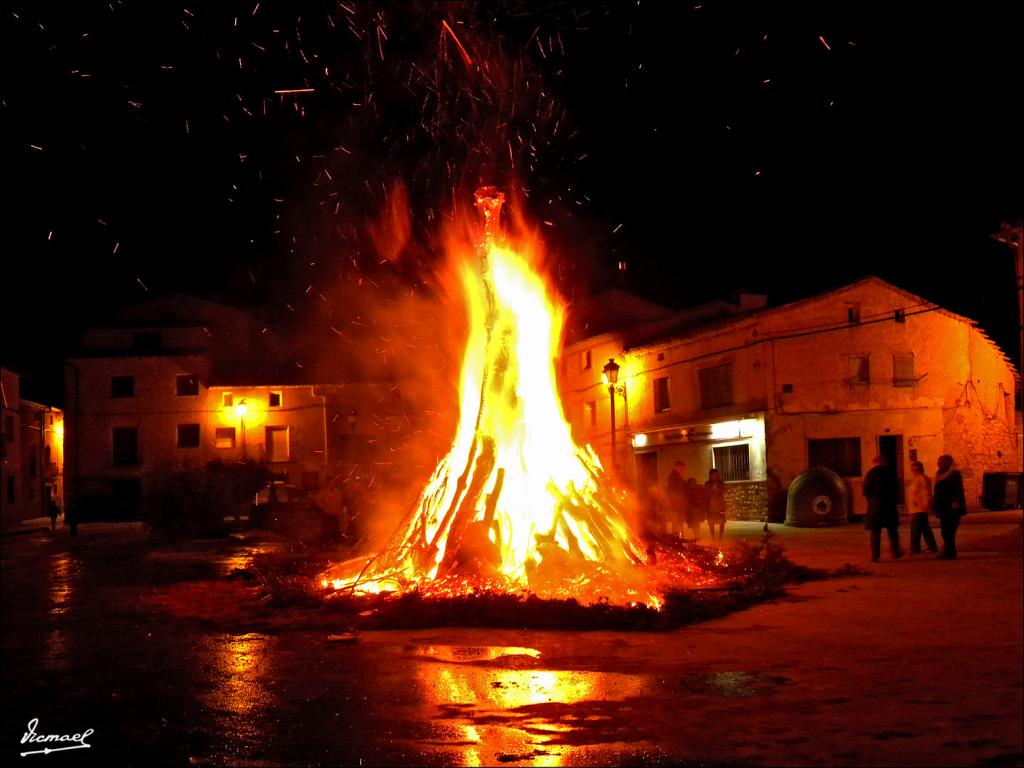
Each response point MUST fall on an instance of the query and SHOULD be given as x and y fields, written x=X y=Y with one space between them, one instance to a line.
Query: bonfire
x=516 y=505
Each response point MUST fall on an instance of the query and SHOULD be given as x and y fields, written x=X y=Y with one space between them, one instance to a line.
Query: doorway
x=277 y=444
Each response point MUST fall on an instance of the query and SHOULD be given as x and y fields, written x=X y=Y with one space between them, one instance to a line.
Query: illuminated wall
x=176 y=426
x=955 y=397
x=31 y=447
x=867 y=362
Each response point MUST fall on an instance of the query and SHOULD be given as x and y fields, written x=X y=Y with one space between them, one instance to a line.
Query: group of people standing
x=691 y=504
x=944 y=497
x=685 y=503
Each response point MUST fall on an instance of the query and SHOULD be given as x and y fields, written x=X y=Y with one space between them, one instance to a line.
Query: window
x=661 y=398
x=32 y=466
x=146 y=341
x=275 y=400
x=840 y=454
x=227 y=399
x=188 y=435
x=122 y=386
x=590 y=413
x=787 y=389
x=277 y=444
x=126 y=446
x=899 y=315
x=187 y=384
x=903 y=369
x=585 y=360
x=10 y=489
x=853 y=313
x=716 y=386
x=857 y=370
x=733 y=462
x=224 y=437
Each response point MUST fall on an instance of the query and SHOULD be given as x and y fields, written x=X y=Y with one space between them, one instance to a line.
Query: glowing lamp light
x=639 y=441
x=241 y=408
x=58 y=429
x=611 y=371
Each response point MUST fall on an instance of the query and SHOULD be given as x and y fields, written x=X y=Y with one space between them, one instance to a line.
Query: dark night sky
x=784 y=148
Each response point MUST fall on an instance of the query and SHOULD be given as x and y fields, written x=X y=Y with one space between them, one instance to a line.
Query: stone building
x=764 y=393
x=31 y=454
x=166 y=384
x=180 y=382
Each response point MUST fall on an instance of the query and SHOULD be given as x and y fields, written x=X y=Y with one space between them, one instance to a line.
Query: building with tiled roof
x=764 y=393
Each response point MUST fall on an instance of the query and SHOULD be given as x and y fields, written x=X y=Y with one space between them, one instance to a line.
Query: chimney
x=745 y=300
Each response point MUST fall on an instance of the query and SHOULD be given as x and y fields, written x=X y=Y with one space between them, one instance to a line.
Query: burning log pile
x=697 y=583
x=516 y=507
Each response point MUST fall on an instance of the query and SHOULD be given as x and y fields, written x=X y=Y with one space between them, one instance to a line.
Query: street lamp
x=611 y=375
x=241 y=409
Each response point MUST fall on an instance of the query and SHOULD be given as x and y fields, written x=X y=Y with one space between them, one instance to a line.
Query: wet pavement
x=172 y=659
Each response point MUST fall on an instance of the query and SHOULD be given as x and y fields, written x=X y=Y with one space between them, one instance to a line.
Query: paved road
x=170 y=662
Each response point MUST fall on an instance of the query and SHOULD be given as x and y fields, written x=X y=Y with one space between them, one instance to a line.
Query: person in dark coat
x=333 y=511
x=949 y=504
x=715 y=490
x=882 y=491
x=53 y=511
x=675 y=491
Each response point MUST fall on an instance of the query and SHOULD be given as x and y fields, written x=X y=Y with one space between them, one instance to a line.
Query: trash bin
x=1001 y=490
x=816 y=497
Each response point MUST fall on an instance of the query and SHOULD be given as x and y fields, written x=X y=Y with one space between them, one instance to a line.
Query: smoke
x=414 y=106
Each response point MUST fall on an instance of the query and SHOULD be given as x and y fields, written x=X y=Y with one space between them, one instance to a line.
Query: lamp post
x=611 y=375
x=240 y=410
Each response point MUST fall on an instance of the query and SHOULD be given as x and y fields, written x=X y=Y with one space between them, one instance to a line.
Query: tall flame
x=515 y=504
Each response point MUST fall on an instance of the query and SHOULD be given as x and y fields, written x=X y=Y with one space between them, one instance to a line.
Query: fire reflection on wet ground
x=64 y=571
x=62 y=580
x=459 y=653
x=237 y=668
x=237 y=562
x=506 y=707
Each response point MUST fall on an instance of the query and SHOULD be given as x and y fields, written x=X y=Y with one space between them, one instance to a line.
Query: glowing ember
x=516 y=505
